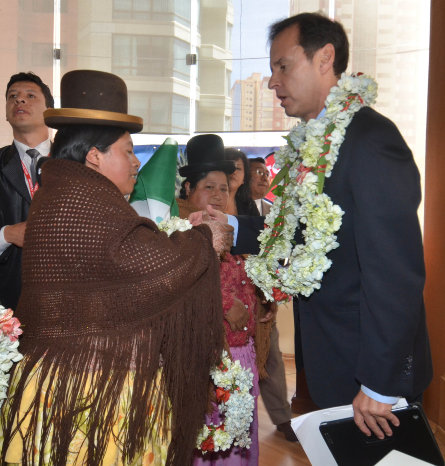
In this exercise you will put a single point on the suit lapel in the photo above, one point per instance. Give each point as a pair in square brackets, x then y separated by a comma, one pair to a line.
[13, 172]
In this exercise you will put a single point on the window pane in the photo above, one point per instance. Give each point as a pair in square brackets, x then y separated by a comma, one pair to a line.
[181, 69]
[180, 113]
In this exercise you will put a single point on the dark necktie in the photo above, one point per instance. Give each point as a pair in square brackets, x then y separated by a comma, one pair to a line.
[33, 153]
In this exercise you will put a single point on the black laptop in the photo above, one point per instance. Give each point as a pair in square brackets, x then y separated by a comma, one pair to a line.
[350, 447]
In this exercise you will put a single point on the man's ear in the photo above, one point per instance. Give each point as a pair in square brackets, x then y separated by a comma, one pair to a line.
[326, 58]
[93, 158]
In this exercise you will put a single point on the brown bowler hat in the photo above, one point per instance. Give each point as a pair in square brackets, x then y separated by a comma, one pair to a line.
[90, 97]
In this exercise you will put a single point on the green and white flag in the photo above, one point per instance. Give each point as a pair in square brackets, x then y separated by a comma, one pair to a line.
[154, 192]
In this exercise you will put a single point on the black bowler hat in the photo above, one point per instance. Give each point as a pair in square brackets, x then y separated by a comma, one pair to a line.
[90, 97]
[205, 153]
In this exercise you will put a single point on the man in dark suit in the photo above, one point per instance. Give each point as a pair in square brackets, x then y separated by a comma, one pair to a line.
[259, 183]
[27, 97]
[363, 333]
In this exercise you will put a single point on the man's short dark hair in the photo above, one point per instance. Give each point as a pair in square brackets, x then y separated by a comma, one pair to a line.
[257, 160]
[31, 77]
[315, 31]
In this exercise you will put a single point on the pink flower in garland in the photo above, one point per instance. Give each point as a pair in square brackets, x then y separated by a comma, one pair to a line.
[11, 328]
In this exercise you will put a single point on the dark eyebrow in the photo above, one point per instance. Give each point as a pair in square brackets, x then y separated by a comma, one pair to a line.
[12, 89]
[278, 62]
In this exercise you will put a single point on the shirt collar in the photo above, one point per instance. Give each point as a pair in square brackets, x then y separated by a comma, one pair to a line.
[44, 148]
[321, 114]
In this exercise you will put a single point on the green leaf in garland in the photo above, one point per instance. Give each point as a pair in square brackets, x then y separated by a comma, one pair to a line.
[279, 177]
[321, 172]
[290, 143]
[278, 190]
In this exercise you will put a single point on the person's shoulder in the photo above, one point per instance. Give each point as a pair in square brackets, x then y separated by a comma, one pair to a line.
[6, 152]
[376, 135]
[6, 148]
[369, 120]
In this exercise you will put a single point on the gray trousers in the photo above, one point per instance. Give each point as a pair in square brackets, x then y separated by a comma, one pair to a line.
[273, 389]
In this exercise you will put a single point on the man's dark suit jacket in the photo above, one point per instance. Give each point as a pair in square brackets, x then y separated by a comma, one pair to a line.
[366, 325]
[14, 204]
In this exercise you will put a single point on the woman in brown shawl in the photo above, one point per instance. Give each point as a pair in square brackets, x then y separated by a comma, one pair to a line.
[121, 323]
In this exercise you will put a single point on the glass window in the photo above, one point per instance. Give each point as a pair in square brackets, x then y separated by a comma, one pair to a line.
[162, 112]
[132, 9]
[42, 54]
[146, 42]
[183, 11]
[138, 55]
[150, 56]
[153, 10]
[180, 114]
[47, 6]
[180, 51]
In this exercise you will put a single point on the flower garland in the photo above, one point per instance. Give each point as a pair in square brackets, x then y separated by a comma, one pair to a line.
[310, 155]
[233, 384]
[9, 353]
[173, 224]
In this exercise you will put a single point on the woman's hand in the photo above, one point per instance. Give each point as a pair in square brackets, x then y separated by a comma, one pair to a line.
[237, 316]
[222, 236]
[222, 232]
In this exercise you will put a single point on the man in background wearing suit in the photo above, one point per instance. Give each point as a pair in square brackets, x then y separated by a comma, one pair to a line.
[27, 97]
[364, 336]
[259, 183]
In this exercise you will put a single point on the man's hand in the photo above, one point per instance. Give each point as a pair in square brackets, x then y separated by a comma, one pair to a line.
[371, 415]
[15, 234]
[237, 315]
[196, 218]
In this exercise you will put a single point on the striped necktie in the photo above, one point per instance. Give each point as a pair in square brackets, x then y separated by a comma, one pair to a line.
[33, 153]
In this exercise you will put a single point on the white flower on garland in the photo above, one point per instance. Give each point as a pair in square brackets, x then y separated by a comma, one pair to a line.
[310, 155]
[174, 224]
[9, 343]
[233, 384]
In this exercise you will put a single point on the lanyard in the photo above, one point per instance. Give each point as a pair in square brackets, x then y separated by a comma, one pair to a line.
[32, 189]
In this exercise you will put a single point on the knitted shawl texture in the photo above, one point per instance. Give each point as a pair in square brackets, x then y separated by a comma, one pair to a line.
[104, 293]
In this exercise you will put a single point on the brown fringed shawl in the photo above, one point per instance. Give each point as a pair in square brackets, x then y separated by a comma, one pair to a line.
[104, 293]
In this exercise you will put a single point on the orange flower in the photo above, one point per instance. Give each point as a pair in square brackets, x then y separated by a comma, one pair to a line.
[222, 367]
[208, 445]
[222, 395]
[279, 295]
